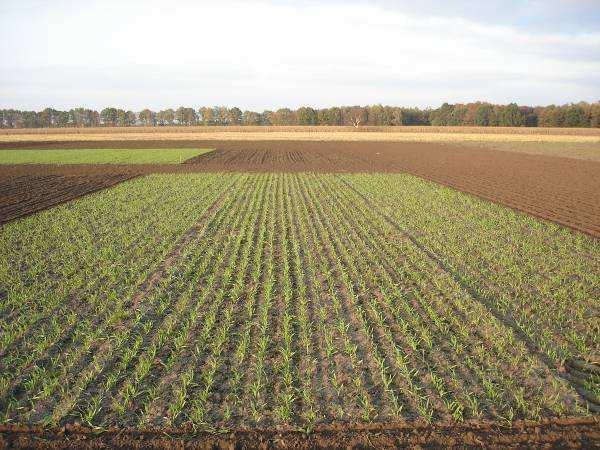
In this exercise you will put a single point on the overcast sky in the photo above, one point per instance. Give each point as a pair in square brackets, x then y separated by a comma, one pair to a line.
[270, 54]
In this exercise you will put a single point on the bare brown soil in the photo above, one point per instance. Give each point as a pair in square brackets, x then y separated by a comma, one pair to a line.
[24, 194]
[549, 433]
[577, 150]
[562, 190]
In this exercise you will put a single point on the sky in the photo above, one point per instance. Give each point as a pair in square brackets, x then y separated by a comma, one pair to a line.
[270, 54]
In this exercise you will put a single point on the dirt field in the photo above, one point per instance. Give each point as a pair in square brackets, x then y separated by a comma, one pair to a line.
[557, 433]
[24, 194]
[563, 190]
[576, 150]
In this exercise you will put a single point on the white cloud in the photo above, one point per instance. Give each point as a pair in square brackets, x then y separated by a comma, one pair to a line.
[266, 55]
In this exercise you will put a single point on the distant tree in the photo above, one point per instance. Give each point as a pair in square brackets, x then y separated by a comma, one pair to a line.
[162, 117]
[397, 116]
[81, 117]
[459, 115]
[30, 119]
[283, 116]
[251, 118]
[335, 116]
[94, 117]
[76, 117]
[186, 116]
[329, 116]
[63, 118]
[10, 118]
[356, 116]
[575, 116]
[442, 116]
[546, 116]
[147, 117]
[266, 117]
[483, 115]
[323, 117]
[220, 115]
[48, 118]
[131, 118]
[180, 115]
[168, 116]
[511, 116]
[470, 112]
[414, 116]
[558, 117]
[109, 117]
[580, 114]
[595, 115]
[206, 115]
[306, 116]
[379, 116]
[529, 116]
[122, 118]
[234, 116]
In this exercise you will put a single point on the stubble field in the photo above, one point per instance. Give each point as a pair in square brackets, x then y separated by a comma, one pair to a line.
[328, 293]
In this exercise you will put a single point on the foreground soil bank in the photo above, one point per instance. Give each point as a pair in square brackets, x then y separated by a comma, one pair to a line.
[555, 433]
[563, 190]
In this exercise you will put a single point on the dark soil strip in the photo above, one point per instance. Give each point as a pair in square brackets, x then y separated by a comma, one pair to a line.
[27, 194]
[549, 433]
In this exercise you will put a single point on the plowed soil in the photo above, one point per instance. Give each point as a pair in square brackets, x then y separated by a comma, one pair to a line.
[24, 194]
[551, 433]
[563, 190]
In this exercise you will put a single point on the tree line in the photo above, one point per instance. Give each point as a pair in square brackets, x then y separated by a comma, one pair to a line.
[581, 114]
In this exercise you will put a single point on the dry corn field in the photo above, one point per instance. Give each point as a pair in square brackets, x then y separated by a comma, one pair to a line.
[481, 135]
[410, 129]
[310, 136]
[316, 308]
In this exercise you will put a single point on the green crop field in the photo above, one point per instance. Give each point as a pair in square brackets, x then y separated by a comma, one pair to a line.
[291, 299]
[100, 156]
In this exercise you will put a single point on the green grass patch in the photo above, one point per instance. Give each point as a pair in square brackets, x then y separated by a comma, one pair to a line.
[101, 156]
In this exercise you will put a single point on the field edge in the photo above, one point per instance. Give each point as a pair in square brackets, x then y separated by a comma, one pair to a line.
[567, 432]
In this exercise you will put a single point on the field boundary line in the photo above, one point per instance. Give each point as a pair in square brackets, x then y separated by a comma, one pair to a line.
[472, 434]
